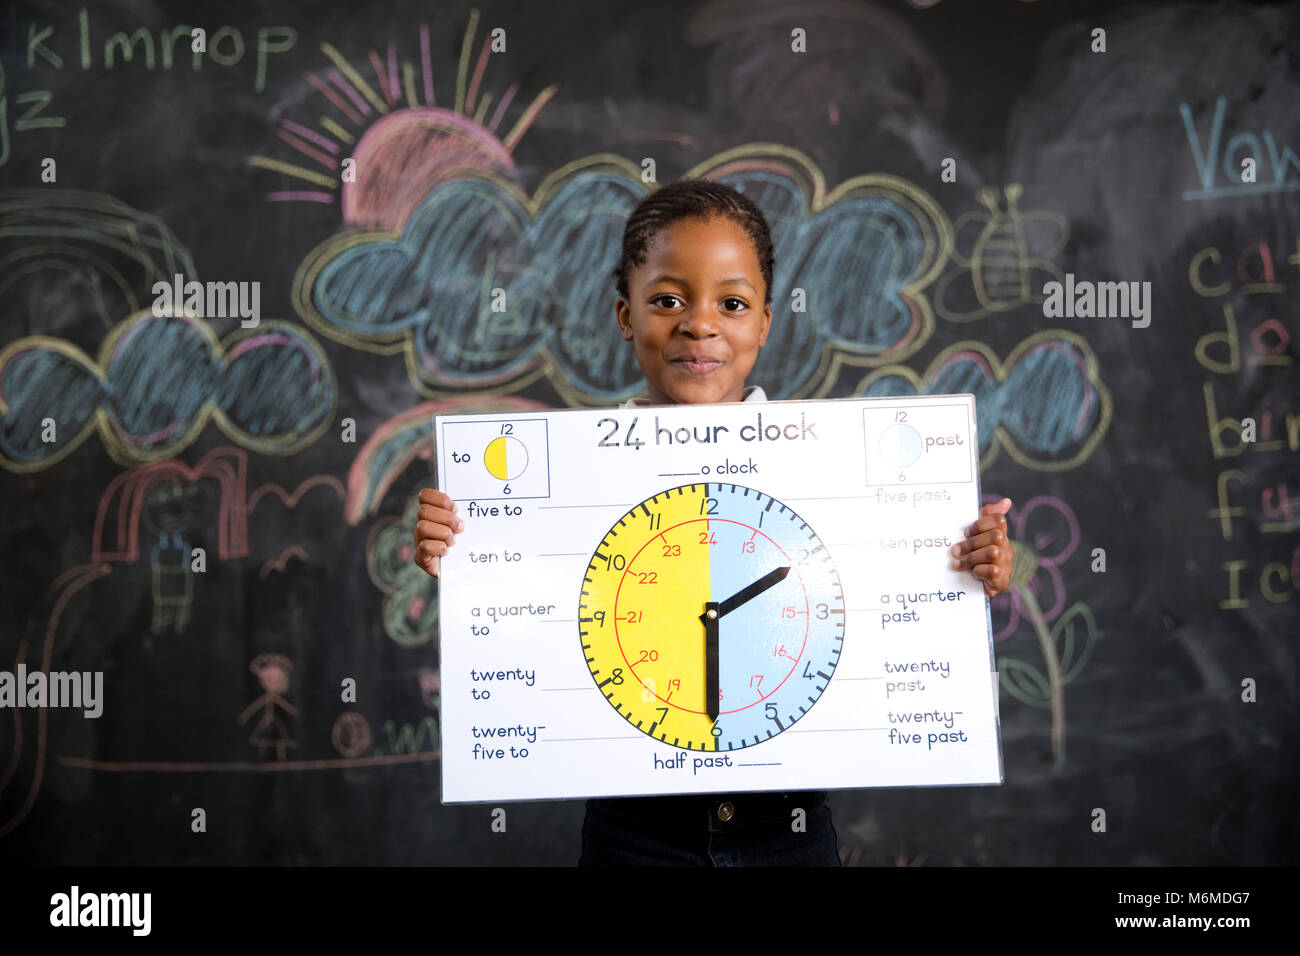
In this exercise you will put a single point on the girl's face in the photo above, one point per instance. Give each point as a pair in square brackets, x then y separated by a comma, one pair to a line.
[695, 312]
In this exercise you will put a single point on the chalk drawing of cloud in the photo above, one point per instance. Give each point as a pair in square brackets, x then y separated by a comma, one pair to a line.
[1046, 404]
[154, 386]
[861, 256]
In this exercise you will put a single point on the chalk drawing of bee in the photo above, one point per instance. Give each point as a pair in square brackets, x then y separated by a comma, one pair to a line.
[1009, 261]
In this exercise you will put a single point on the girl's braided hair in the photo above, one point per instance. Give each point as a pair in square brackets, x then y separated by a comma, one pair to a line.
[692, 199]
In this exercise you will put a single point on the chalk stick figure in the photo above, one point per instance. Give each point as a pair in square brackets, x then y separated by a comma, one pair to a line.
[272, 672]
[170, 509]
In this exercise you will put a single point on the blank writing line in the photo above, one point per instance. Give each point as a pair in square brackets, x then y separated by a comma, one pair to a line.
[828, 498]
[566, 554]
[561, 507]
[836, 730]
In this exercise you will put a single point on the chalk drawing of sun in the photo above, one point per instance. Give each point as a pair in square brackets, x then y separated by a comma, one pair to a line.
[402, 146]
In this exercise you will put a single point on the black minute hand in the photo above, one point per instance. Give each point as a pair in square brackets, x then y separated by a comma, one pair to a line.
[710, 619]
[747, 594]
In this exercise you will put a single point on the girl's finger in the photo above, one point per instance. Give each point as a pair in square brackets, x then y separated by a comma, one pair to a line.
[995, 578]
[976, 558]
[428, 557]
[986, 523]
[427, 530]
[997, 536]
[441, 516]
[988, 539]
[437, 499]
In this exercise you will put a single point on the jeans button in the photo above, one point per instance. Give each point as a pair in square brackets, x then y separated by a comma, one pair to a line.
[726, 811]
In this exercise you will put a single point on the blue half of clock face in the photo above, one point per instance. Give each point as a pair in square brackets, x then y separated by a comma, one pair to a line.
[780, 616]
[777, 650]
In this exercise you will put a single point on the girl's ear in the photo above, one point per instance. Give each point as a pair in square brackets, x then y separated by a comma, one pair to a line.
[624, 314]
[767, 324]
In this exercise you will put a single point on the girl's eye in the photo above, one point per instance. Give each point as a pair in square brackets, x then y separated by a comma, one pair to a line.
[739, 303]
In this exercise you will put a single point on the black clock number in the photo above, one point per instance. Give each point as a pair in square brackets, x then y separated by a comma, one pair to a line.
[709, 506]
[770, 711]
[628, 440]
[823, 612]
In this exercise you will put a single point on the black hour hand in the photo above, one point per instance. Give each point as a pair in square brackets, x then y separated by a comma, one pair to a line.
[747, 594]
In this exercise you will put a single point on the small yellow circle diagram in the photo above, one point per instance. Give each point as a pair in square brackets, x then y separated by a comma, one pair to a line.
[506, 458]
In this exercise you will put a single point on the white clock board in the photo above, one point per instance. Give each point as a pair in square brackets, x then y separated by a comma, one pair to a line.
[620, 569]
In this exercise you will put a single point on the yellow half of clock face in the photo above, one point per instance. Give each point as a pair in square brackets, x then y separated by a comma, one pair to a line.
[650, 581]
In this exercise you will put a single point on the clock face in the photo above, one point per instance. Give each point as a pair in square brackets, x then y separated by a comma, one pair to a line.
[711, 617]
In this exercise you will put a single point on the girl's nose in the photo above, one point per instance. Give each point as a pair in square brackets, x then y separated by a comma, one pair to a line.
[698, 322]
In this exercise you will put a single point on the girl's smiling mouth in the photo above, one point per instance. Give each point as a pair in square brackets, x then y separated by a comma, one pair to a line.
[698, 366]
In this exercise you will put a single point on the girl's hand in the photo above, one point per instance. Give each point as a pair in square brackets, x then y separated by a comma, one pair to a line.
[987, 550]
[434, 529]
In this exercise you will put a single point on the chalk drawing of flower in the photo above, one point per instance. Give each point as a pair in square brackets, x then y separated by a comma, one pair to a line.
[1045, 533]
[410, 606]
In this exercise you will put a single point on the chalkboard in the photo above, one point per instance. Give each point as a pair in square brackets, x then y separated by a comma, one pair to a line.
[242, 269]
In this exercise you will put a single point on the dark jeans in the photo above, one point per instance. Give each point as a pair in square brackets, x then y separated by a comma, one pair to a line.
[758, 830]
